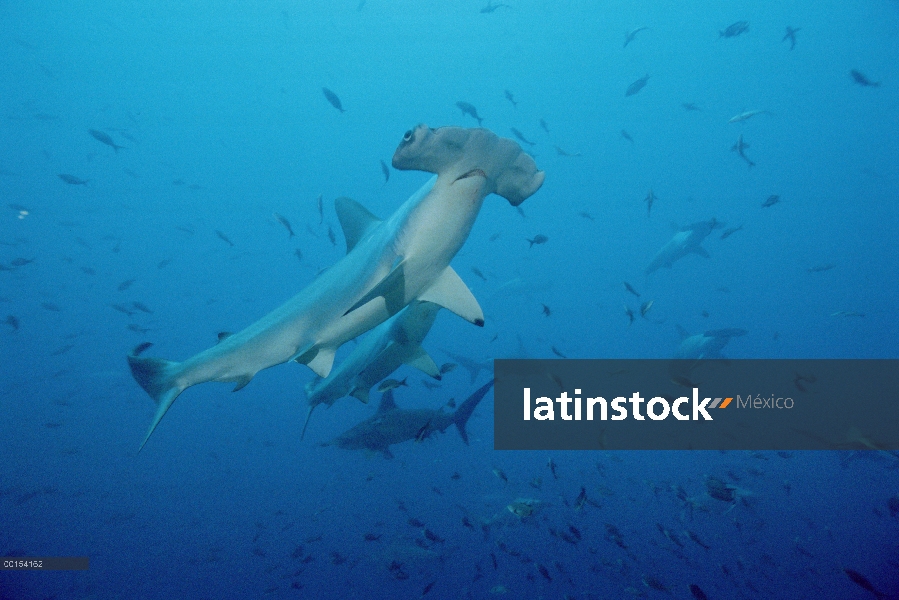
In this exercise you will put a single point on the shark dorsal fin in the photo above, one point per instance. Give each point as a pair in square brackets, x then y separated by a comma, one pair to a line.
[387, 402]
[355, 220]
[224, 335]
[450, 292]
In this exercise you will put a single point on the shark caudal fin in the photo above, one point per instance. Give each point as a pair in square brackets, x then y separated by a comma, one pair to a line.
[156, 376]
[463, 413]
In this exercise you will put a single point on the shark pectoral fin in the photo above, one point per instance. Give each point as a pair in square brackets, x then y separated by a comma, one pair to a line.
[424, 363]
[450, 292]
[322, 362]
[224, 335]
[355, 220]
[242, 382]
[392, 288]
[700, 251]
[360, 393]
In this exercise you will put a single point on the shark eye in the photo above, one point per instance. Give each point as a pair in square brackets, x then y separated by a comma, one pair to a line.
[408, 137]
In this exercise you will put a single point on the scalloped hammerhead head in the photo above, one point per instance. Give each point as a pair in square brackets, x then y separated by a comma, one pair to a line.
[388, 265]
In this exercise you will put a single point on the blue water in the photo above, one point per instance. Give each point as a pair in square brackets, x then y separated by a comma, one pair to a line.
[220, 111]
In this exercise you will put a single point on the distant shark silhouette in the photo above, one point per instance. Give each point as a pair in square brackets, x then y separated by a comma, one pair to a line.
[394, 342]
[388, 265]
[686, 241]
[706, 345]
[393, 425]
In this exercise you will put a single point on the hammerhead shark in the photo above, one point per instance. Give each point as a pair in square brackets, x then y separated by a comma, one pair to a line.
[388, 265]
[394, 342]
[686, 241]
[393, 425]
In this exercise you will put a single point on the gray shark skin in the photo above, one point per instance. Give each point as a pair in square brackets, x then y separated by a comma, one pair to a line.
[388, 265]
[393, 425]
[686, 241]
[394, 342]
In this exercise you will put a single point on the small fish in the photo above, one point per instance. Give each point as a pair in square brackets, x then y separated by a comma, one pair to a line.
[511, 98]
[863, 81]
[538, 239]
[501, 474]
[739, 148]
[372, 537]
[286, 224]
[689, 106]
[771, 201]
[627, 136]
[126, 284]
[430, 535]
[321, 210]
[12, 321]
[557, 352]
[697, 592]
[492, 7]
[521, 137]
[386, 170]
[331, 236]
[644, 308]
[428, 588]
[746, 115]
[546, 310]
[734, 29]
[123, 309]
[682, 381]
[21, 262]
[791, 35]
[62, 350]
[562, 152]
[544, 572]
[730, 231]
[224, 238]
[333, 99]
[72, 180]
[423, 433]
[629, 37]
[50, 306]
[414, 522]
[552, 467]
[630, 314]
[650, 198]
[477, 272]
[637, 85]
[847, 313]
[447, 367]
[104, 138]
[137, 328]
[544, 125]
[298, 253]
[141, 307]
[88, 271]
[469, 109]
[586, 215]
[821, 268]
[631, 289]
[392, 384]
[863, 582]
[164, 263]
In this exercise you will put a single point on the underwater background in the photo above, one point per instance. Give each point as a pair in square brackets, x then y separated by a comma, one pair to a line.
[219, 114]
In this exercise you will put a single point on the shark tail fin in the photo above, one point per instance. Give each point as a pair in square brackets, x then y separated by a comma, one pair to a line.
[306, 423]
[156, 376]
[463, 413]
